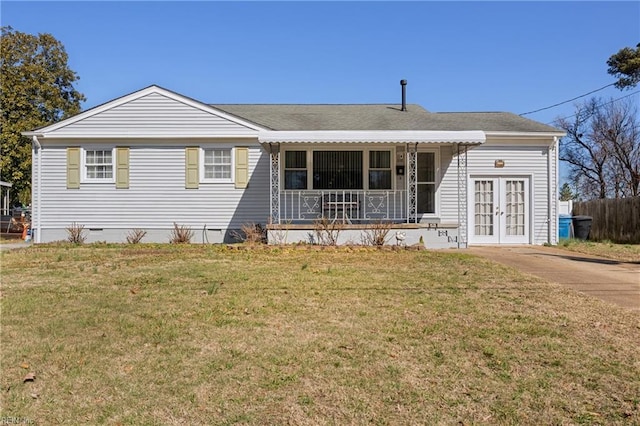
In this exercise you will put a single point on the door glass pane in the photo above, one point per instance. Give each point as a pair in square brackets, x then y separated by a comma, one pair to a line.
[426, 198]
[426, 167]
[483, 210]
[514, 219]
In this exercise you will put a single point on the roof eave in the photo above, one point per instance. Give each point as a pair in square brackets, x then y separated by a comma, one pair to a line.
[374, 136]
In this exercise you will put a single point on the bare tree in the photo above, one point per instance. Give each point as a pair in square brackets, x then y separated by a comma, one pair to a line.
[602, 149]
[618, 127]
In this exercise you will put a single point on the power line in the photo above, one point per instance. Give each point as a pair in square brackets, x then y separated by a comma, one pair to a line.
[564, 102]
[602, 104]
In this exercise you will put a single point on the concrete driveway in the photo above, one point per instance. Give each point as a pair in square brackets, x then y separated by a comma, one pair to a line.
[612, 281]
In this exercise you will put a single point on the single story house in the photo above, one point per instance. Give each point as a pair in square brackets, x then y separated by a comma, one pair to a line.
[153, 158]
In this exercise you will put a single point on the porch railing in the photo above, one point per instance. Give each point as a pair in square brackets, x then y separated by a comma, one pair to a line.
[347, 206]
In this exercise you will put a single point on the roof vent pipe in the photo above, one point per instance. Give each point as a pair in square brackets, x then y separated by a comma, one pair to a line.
[403, 83]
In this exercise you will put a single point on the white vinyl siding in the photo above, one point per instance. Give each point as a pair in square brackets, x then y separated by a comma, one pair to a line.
[154, 115]
[529, 160]
[156, 196]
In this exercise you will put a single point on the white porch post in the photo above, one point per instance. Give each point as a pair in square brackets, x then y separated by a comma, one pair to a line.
[462, 196]
[412, 183]
[274, 153]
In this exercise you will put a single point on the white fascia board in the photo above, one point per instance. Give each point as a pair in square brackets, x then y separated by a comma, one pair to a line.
[139, 94]
[525, 134]
[7, 184]
[100, 136]
[373, 136]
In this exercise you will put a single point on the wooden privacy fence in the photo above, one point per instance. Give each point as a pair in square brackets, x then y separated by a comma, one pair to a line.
[615, 219]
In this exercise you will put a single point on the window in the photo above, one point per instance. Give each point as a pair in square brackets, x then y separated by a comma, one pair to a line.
[337, 169]
[217, 165]
[295, 170]
[379, 169]
[426, 176]
[98, 165]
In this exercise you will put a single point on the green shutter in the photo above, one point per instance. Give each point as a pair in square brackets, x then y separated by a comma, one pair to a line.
[192, 171]
[73, 168]
[122, 168]
[242, 168]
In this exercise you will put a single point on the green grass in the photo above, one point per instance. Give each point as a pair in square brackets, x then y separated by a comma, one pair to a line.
[168, 334]
[606, 249]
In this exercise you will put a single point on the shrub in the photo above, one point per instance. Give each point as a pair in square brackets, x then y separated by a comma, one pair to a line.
[181, 234]
[377, 235]
[326, 231]
[135, 236]
[252, 233]
[76, 233]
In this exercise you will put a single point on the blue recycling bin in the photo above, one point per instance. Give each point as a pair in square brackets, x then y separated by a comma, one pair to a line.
[564, 226]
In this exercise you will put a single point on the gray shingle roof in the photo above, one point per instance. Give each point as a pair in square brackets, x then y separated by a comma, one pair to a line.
[377, 117]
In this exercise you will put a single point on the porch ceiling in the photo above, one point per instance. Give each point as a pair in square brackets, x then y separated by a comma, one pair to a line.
[378, 136]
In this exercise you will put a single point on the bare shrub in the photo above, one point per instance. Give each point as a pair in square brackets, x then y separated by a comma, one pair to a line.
[75, 233]
[135, 236]
[327, 231]
[280, 235]
[181, 234]
[251, 233]
[377, 234]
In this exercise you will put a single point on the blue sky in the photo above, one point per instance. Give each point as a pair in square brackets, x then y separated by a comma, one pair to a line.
[456, 56]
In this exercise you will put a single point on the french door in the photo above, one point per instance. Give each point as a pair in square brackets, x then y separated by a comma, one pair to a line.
[499, 211]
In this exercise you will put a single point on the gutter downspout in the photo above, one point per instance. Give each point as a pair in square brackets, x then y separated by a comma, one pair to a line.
[36, 147]
[551, 190]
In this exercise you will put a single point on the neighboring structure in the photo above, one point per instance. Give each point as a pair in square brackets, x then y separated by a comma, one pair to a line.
[5, 194]
[154, 157]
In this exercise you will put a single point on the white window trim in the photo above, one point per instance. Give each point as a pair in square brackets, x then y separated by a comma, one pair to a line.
[83, 164]
[201, 164]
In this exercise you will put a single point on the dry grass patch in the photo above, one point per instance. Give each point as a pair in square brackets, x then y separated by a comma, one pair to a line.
[609, 250]
[189, 334]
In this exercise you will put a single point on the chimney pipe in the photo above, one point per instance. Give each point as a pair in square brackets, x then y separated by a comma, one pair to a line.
[403, 83]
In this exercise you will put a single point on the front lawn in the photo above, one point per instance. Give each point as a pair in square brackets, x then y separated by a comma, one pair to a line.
[609, 250]
[171, 334]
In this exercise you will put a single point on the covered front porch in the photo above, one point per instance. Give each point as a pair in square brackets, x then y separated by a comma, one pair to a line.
[357, 180]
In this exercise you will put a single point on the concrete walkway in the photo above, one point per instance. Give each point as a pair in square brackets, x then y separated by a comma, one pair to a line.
[610, 280]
